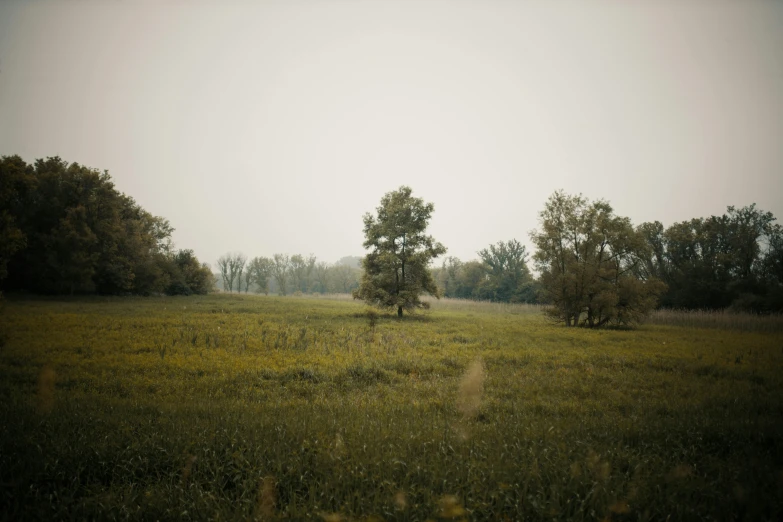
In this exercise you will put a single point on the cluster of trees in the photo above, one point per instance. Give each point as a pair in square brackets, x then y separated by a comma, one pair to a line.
[597, 269]
[730, 261]
[284, 274]
[500, 274]
[591, 265]
[594, 267]
[65, 229]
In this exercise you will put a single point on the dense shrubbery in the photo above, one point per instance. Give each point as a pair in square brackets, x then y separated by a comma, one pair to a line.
[65, 229]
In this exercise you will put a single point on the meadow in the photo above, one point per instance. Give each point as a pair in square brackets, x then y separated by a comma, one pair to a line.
[227, 407]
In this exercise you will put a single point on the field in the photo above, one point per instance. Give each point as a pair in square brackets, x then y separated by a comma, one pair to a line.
[266, 408]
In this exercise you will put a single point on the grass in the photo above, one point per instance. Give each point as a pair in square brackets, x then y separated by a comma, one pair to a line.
[266, 408]
[724, 319]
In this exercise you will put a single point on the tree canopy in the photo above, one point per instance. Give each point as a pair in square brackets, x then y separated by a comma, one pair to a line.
[396, 271]
[65, 229]
[728, 261]
[590, 263]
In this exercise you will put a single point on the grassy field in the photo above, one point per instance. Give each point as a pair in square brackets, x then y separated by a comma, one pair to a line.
[266, 408]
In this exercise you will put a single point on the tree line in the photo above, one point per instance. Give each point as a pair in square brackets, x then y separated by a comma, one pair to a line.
[734, 260]
[730, 261]
[594, 267]
[65, 229]
[287, 274]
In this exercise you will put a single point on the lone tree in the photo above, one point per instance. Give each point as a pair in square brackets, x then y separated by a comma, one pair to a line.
[591, 264]
[396, 270]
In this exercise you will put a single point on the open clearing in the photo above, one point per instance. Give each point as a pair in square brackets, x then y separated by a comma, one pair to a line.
[246, 407]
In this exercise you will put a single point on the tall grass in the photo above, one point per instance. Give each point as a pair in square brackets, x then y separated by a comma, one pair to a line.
[484, 307]
[722, 319]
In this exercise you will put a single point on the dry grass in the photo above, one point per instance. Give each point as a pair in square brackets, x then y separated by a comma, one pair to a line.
[723, 319]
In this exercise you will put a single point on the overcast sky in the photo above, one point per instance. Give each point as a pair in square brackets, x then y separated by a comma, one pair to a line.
[267, 127]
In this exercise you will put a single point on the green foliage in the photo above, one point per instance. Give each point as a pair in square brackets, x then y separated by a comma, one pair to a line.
[16, 182]
[508, 278]
[65, 229]
[502, 275]
[462, 280]
[590, 264]
[244, 407]
[187, 276]
[724, 261]
[301, 271]
[396, 269]
[343, 279]
[258, 273]
[281, 271]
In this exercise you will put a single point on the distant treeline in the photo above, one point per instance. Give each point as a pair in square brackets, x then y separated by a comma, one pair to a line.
[65, 229]
[500, 274]
[283, 274]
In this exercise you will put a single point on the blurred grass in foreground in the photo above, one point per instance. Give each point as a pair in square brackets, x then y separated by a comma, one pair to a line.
[258, 408]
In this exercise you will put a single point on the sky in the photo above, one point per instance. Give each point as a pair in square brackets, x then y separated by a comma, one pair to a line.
[273, 127]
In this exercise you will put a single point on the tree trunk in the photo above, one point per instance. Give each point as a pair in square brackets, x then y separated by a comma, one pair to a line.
[399, 311]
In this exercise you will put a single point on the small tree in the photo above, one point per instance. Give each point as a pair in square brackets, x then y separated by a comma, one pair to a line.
[396, 269]
[187, 275]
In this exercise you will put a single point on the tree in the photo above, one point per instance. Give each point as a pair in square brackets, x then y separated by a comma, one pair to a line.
[231, 266]
[16, 183]
[236, 268]
[71, 253]
[772, 269]
[396, 269]
[301, 269]
[321, 277]
[188, 276]
[64, 228]
[258, 272]
[343, 278]
[281, 268]
[506, 265]
[471, 280]
[222, 264]
[591, 264]
[714, 262]
[352, 261]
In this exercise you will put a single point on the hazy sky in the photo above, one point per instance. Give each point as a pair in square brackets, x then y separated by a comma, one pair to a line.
[273, 127]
